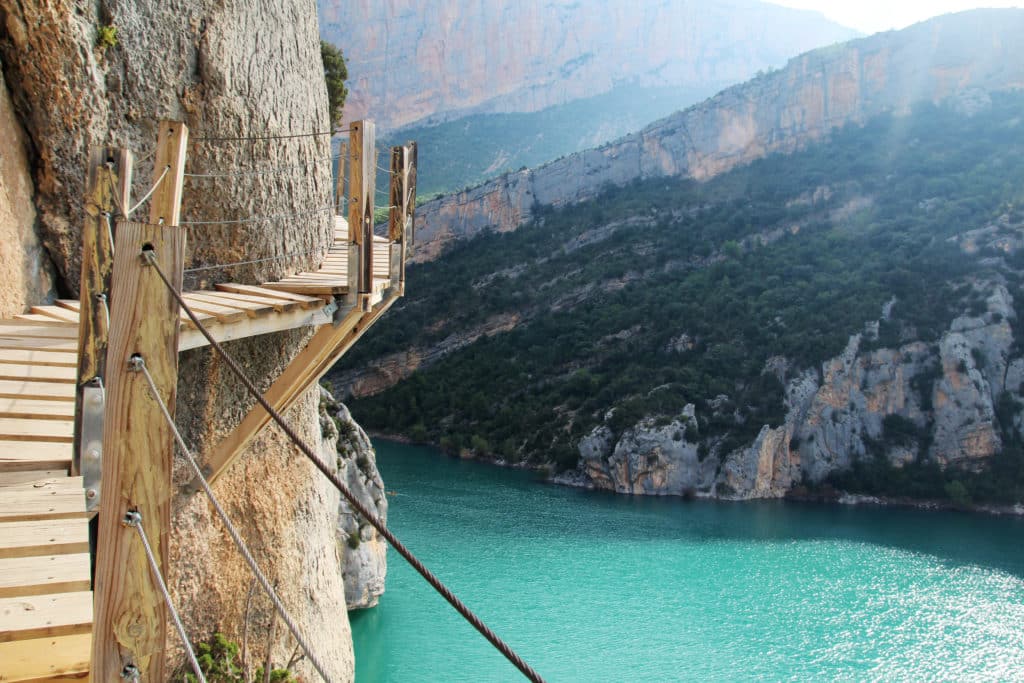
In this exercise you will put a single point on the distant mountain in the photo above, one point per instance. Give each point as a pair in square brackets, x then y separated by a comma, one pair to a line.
[960, 57]
[834, 296]
[418, 62]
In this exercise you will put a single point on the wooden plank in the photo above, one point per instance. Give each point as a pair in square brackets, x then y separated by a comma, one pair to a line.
[46, 616]
[261, 303]
[58, 431]
[307, 288]
[14, 328]
[70, 304]
[8, 479]
[223, 314]
[308, 301]
[250, 308]
[58, 659]
[36, 357]
[339, 191]
[138, 449]
[319, 355]
[43, 391]
[37, 373]
[59, 498]
[32, 409]
[251, 327]
[22, 456]
[363, 157]
[57, 313]
[44, 537]
[37, 344]
[44, 574]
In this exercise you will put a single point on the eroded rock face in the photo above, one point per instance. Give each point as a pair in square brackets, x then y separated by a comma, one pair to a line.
[25, 268]
[363, 550]
[945, 59]
[232, 72]
[919, 401]
[412, 61]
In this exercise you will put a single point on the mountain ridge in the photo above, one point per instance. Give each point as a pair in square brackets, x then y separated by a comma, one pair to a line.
[781, 111]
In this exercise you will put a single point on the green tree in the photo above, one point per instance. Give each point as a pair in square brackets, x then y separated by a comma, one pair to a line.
[335, 75]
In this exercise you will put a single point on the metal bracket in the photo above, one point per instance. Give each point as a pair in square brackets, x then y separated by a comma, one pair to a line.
[91, 456]
[325, 314]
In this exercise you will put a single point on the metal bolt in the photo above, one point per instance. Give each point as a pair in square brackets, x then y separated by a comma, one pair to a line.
[93, 454]
[130, 672]
[97, 399]
[90, 494]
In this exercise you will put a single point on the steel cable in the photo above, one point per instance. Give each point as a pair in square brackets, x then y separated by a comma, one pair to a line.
[374, 521]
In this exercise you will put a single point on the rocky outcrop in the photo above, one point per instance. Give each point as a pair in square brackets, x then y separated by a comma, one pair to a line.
[230, 71]
[410, 62]
[25, 268]
[364, 551]
[957, 58]
[917, 402]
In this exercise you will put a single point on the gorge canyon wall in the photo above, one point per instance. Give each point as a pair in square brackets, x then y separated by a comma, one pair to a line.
[412, 62]
[957, 56]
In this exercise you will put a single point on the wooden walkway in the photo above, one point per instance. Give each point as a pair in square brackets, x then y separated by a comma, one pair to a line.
[46, 603]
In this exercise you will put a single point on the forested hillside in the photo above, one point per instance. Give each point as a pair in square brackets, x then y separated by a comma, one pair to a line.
[721, 315]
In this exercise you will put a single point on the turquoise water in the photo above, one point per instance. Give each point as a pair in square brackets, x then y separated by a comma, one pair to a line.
[597, 587]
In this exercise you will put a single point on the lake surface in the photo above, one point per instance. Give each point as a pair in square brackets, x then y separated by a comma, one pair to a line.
[596, 587]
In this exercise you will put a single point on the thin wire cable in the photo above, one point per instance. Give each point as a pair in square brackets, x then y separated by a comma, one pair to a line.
[134, 519]
[151, 191]
[416, 564]
[217, 266]
[258, 219]
[245, 138]
[110, 231]
[232, 531]
[261, 172]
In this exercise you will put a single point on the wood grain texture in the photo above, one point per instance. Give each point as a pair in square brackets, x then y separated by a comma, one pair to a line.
[137, 452]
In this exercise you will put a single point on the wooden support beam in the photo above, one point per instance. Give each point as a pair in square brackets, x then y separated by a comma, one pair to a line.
[410, 236]
[323, 350]
[165, 205]
[137, 451]
[362, 186]
[107, 193]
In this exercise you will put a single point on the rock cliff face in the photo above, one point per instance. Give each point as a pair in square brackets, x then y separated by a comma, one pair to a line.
[231, 72]
[937, 402]
[410, 62]
[364, 551]
[960, 57]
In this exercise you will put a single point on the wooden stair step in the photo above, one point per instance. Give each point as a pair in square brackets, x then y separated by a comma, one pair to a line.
[44, 391]
[61, 498]
[20, 456]
[39, 357]
[38, 373]
[279, 305]
[10, 478]
[44, 537]
[251, 308]
[56, 330]
[35, 409]
[55, 659]
[57, 313]
[223, 314]
[308, 301]
[45, 616]
[44, 574]
[25, 343]
[14, 429]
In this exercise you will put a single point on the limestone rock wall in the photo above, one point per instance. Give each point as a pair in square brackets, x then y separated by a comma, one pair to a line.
[412, 61]
[947, 391]
[25, 267]
[363, 550]
[237, 74]
[959, 57]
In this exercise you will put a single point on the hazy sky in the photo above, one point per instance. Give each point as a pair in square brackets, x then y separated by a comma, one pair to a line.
[871, 16]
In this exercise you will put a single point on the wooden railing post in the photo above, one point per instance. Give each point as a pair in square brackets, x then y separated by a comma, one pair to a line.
[107, 190]
[402, 211]
[339, 192]
[129, 626]
[362, 185]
